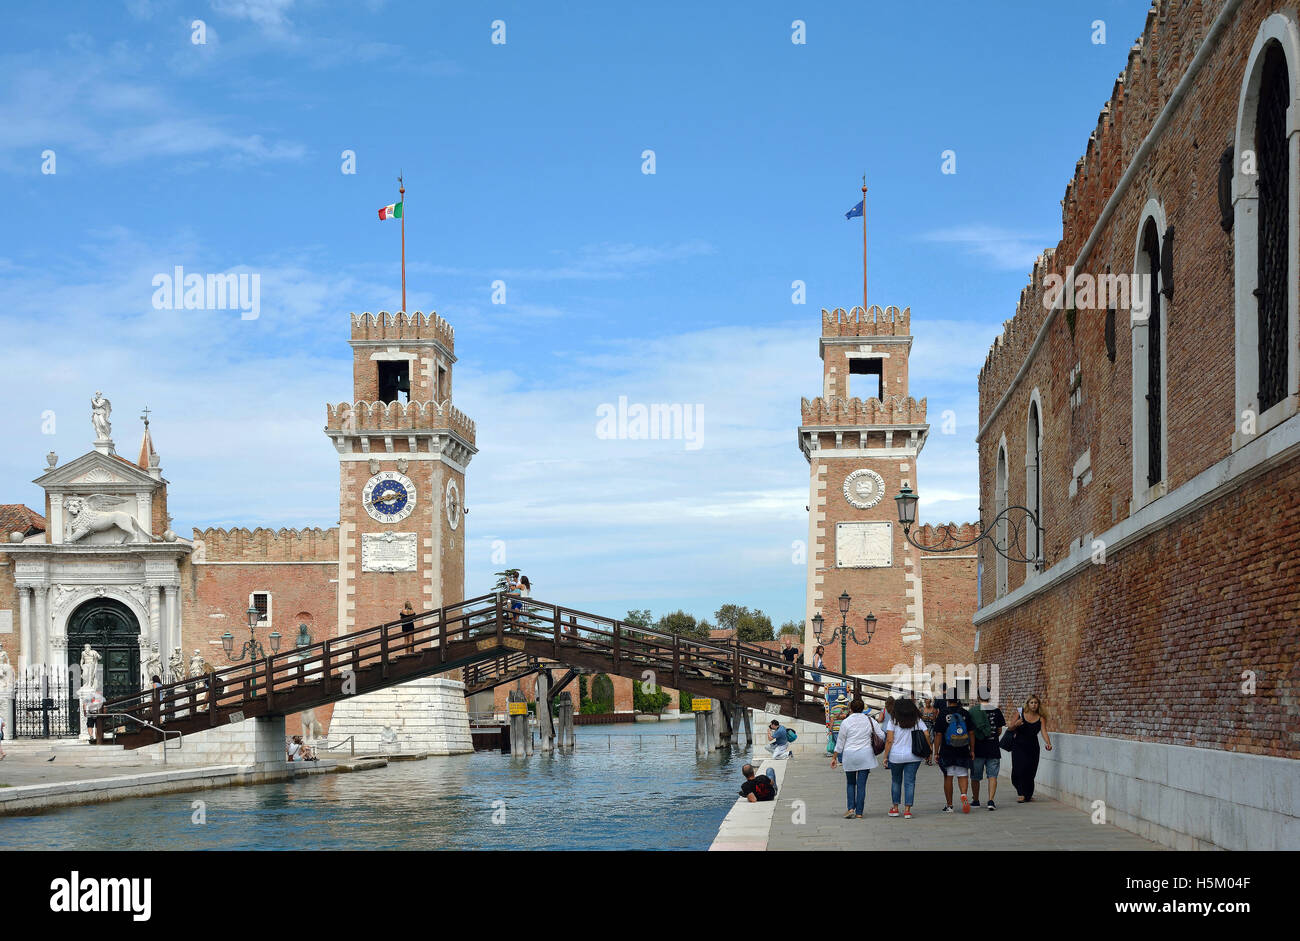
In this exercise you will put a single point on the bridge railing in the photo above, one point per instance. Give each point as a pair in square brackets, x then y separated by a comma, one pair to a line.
[488, 621]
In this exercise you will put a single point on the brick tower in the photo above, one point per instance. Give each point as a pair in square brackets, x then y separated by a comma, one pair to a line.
[402, 449]
[862, 438]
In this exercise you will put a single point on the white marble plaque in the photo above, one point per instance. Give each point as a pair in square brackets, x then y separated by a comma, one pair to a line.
[388, 552]
[6, 622]
[864, 545]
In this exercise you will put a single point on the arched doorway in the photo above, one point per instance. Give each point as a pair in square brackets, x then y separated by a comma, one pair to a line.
[113, 631]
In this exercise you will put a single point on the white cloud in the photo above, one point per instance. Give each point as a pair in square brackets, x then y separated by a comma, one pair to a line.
[1008, 251]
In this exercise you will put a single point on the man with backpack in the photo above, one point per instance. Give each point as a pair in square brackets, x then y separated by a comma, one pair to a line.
[954, 743]
[760, 787]
[987, 725]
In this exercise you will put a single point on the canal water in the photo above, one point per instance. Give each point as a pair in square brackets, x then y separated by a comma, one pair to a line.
[636, 786]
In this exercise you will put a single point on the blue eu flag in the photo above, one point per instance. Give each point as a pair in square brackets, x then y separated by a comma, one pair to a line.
[856, 210]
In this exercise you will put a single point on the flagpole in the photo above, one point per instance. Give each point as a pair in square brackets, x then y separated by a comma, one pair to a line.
[864, 242]
[401, 192]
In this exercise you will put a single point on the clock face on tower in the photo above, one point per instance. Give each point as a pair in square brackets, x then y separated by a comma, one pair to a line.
[864, 488]
[453, 504]
[389, 497]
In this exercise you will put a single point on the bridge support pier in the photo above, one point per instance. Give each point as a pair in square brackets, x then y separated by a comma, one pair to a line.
[702, 744]
[721, 725]
[742, 725]
[521, 734]
[565, 716]
[545, 730]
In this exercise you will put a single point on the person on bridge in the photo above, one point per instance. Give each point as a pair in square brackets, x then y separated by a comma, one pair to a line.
[855, 746]
[408, 625]
[758, 788]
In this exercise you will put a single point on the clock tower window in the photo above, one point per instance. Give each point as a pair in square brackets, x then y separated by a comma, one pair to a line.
[874, 386]
[394, 380]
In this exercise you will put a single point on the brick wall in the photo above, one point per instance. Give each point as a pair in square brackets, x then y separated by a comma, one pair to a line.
[1153, 643]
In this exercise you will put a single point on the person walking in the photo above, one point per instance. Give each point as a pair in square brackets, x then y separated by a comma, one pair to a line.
[819, 664]
[408, 625]
[955, 746]
[2, 737]
[900, 757]
[986, 724]
[1025, 728]
[778, 740]
[854, 747]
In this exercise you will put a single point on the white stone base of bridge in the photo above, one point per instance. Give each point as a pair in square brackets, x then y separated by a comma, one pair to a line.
[257, 742]
[426, 715]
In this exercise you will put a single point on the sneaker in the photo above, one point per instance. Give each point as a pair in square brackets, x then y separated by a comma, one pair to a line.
[893, 811]
[974, 803]
[948, 809]
[965, 804]
[848, 815]
[992, 806]
[908, 815]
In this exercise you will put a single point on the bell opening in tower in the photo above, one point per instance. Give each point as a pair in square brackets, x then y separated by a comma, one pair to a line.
[394, 381]
[874, 385]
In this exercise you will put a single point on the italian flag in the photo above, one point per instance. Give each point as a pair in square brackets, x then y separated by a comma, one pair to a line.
[391, 212]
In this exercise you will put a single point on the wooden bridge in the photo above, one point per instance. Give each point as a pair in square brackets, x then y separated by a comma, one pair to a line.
[493, 645]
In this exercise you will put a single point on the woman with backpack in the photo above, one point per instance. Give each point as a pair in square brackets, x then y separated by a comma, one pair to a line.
[855, 746]
[905, 748]
[1025, 728]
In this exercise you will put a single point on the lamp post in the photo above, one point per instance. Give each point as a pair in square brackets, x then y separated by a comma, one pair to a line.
[844, 632]
[907, 501]
[252, 648]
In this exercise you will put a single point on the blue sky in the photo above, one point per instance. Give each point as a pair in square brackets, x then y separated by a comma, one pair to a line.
[523, 163]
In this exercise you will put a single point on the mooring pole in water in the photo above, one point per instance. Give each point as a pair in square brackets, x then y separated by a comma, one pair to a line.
[521, 736]
[565, 717]
[545, 731]
[702, 746]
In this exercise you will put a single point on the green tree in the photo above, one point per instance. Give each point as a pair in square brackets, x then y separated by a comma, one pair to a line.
[729, 616]
[754, 626]
[504, 578]
[684, 625]
[653, 702]
[792, 627]
[639, 618]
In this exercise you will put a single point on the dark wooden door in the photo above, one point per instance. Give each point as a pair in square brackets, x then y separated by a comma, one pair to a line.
[113, 631]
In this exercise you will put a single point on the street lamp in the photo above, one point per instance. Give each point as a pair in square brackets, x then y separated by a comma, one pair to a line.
[843, 633]
[907, 501]
[252, 648]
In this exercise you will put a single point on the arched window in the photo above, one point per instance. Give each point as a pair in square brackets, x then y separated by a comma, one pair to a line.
[1150, 379]
[1265, 207]
[1274, 206]
[1000, 504]
[1033, 481]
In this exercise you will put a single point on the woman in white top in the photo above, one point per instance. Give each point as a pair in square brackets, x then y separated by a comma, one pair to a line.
[853, 746]
[901, 761]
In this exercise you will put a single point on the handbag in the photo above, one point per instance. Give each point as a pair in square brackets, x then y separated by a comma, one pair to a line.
[877, 740]
[920, 744]
[1007, 738]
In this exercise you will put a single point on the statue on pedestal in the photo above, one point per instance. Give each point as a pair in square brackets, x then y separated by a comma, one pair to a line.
[100, 409]
[176, 665]
[89, 667]
[152, 667]
[7, 676]
[198, 667]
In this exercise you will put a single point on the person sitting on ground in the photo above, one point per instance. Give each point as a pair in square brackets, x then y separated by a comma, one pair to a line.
[308, 753]
[778, 740]
[760, 787]
[294, 748]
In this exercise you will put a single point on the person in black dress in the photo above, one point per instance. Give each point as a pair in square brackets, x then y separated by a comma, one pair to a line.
[408, 625]
[1025, 728]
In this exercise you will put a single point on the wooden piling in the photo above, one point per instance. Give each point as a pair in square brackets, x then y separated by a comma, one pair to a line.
[521, 736]
[545, 730]
[565, 703]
